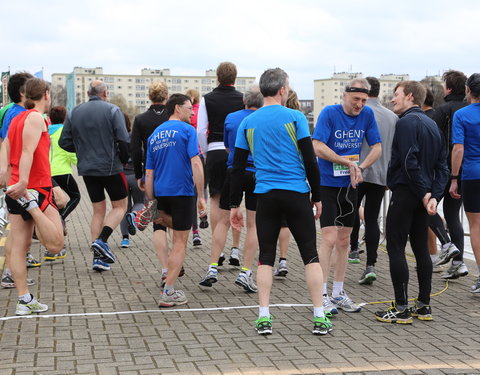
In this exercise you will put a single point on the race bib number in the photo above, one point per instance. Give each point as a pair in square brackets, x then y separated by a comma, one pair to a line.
[342, 170]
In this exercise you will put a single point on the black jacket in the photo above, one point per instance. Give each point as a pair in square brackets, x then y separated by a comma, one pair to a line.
[143, 126]
[219, 103]
[418, 156]
[443, 116]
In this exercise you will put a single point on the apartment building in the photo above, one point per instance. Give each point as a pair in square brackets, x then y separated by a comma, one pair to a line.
[134, 88]
[328, 91]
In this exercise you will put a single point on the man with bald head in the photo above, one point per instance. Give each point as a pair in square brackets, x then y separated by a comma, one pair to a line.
[337, 140]
[97, 133]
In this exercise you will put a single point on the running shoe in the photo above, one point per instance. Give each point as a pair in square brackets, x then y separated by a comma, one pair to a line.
[449, 251]
[343, 302]
[246, 282]
[321, 326]
[8, 282]
[125, 244]
[234, 259]
[145, 215]
[328, 306]
[164, 278]
[196, 240]
[27, 308]
[49, 257]
[354, 257]
[263, 325]
[392, 315]
[99, 265]
[25, 201]
[455, 271]
[32, 262]
[131, 227]
[203, 222]
[475, 288]
[103, 251]
[221, 259]
[177, 297]
[282, 270]
[368, 276]
[182, 272]
[422, 313]
[210, 278]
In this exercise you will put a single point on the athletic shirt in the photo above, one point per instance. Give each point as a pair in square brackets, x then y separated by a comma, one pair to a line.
[40, 175]
[232, 122]
[466, 131]
[170, 150]
[344, 135]
[271, 134]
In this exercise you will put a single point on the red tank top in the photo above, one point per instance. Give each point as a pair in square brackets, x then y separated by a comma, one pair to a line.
[40, 175]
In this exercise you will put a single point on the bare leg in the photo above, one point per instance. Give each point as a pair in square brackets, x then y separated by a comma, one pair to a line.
[177, 255]
[220, 235]
[474, 223]
[160, 244]
[49, 228]
[98, 217]
[432, 242]
[236, 238]
[314, 278]
[264, 283]
[116, 214]
[215, 211]
[20, 243]
[341, 253]
[329, 237]
[283, 241]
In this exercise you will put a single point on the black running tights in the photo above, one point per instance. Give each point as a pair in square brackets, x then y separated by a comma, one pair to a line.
[298, 211]
[408, 218]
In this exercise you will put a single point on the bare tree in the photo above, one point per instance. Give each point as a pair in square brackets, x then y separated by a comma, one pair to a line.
[120, 101]
[437, 89]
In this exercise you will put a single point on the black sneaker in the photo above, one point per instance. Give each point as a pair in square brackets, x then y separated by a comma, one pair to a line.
[368, 276]
[421, 313]
[392, 315]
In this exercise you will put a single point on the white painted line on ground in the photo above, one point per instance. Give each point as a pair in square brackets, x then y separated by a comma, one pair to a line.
[162, 310]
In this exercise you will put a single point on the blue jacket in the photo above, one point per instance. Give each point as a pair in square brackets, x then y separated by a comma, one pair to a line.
[418, 156]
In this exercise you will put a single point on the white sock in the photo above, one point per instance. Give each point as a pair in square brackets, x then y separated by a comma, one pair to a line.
[168, 289]
[325, 292]
[433, 257]
[456, 262]
[337, 288]
[478, 266]
[8, 272]
[164, 270]
[26, 298]
[264, 311]
[31, 205]
[318, 312]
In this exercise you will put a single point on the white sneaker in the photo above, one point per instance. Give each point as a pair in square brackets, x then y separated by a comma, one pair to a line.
[328, 306]
[246, 282]
[455, 271]
[449, 251]
[24, 308]
[174, 299]
[343, 302]
[282, 270]
[234, 259]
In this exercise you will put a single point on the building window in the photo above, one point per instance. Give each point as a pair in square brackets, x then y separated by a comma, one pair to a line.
[109, 79]
[140, 87]
[140, 80]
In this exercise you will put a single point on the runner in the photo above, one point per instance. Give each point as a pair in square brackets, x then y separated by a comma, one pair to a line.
[279, 140]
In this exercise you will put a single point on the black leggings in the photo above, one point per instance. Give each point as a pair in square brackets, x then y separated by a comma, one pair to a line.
[408, 218]
[69, 186]
[373, 194]
[298, 211]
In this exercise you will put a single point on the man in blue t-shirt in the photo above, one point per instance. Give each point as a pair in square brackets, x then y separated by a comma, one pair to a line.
[173, 170]
[279, 140]
[253, 100]
[338, 139]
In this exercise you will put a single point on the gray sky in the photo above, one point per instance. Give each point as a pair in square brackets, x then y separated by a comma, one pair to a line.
[309, 39]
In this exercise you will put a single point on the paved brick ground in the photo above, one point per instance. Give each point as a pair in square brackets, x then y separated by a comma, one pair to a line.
[216, 341]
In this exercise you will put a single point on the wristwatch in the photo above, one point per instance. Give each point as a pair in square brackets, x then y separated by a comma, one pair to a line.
[361, 169]
[452, 177]
[234, 206]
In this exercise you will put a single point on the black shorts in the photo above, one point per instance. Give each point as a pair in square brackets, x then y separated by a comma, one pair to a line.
[216, 170]
[45, 199]
[339, 206]
[248, 186]
[116, 187]
[180, 208]
[470, 195]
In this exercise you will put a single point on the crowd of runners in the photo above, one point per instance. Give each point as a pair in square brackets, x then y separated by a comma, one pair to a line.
[251, 153]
